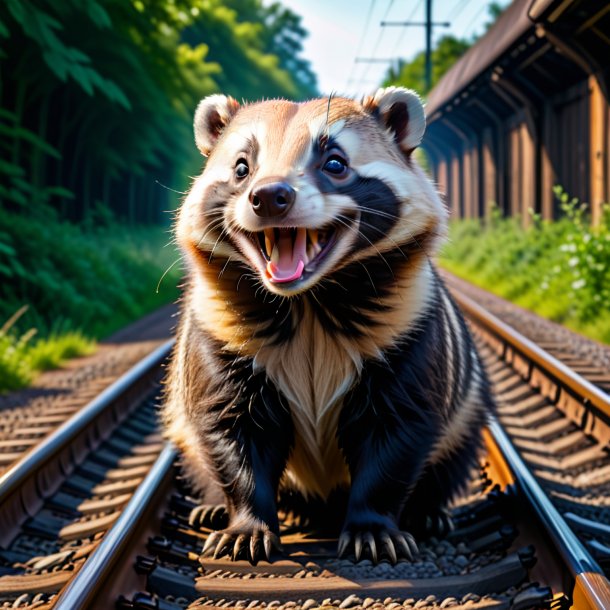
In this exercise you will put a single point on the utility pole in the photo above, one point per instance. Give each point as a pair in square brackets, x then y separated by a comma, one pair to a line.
[428, 44]
[428, 24]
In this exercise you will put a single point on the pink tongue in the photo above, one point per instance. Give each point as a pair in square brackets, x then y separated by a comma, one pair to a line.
[290, 264]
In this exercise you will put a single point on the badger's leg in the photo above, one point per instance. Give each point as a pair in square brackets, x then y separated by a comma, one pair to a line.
[450, 464]
[385, 438]
[247, 437]
[425, 513]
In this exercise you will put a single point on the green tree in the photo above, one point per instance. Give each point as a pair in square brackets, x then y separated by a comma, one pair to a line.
[97, 97]
[412, 74]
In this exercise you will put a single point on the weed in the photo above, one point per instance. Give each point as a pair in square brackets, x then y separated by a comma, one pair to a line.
[560, 270]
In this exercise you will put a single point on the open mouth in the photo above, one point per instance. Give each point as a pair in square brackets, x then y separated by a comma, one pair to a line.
[291, 253]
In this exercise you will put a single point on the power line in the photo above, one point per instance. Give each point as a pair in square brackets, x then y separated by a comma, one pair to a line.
[376, 46]
[362, 38]
[472, 21]
[404, 32]
[429, 24]
[458, 8]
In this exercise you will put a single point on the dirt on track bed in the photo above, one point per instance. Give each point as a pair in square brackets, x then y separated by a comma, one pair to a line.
[29, 415]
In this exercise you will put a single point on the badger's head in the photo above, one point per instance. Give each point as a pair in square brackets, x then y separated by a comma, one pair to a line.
[297, 191]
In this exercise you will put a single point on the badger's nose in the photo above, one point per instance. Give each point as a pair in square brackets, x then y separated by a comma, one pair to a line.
[272, 198]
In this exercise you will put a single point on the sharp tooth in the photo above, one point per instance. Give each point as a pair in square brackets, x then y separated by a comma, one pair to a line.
[275, 254]
[269, 240]
[313, 235]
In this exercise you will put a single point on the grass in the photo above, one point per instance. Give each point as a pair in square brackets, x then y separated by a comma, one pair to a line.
[560, 270]
[22, 356]
[63, 286]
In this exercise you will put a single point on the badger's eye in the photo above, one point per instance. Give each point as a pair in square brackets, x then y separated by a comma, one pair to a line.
[335, 165]
[241, 168]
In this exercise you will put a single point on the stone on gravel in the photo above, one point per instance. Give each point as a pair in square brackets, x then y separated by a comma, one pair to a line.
[350, 601]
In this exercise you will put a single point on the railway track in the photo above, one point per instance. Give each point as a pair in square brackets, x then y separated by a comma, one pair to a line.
[587, 358]
[62, 496]
[94, 516]
[28, 416]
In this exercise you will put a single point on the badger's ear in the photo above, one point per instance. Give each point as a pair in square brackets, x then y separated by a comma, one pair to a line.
[401, 111]
[213, 114]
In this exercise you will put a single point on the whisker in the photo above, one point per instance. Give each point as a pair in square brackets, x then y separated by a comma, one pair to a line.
[171, 189]
[166, 272]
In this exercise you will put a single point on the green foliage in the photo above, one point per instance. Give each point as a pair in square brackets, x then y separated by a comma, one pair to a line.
[97, 277]
[21, 357]
[52, 351]
[585, 259]
[99, 96]
[15, 371]
[412, 74]
[66, 61]
[560, 269]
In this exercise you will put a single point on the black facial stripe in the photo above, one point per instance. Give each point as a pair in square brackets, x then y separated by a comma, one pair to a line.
[379, 206]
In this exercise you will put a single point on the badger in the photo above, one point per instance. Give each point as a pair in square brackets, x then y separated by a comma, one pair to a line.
[319, 351]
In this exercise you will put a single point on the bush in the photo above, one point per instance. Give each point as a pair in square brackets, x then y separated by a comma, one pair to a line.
[560, 270]
[70, 285]
[96, 278]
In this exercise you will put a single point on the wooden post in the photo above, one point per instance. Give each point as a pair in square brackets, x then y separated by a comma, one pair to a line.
[528, 173]
[455, 186]
[489, 173]
[598, 130]
[548, 177]
[514, 206]
[467, 180]
[442, 178]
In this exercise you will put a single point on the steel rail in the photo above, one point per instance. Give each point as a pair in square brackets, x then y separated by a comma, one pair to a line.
[81, 589]
[590, 394]
[592, 587]
[41, 454]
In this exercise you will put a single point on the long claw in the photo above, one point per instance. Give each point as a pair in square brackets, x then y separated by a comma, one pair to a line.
[411, 543]
[271, 542]
[219, 517]
[370, 540]
[255, 547]
[403, 546]
[210, 544]
[195, 516]
[223, 547]
[343, 544]
[388, 546]
[240, 545]
[358, 546]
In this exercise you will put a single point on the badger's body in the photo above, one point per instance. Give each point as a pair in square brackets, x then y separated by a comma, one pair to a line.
[318, 348]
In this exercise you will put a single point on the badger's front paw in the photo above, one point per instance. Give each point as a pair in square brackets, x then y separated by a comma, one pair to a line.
[375, 543]
[253, 545]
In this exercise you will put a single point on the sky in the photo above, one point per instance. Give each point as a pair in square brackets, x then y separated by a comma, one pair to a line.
[340, 30]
